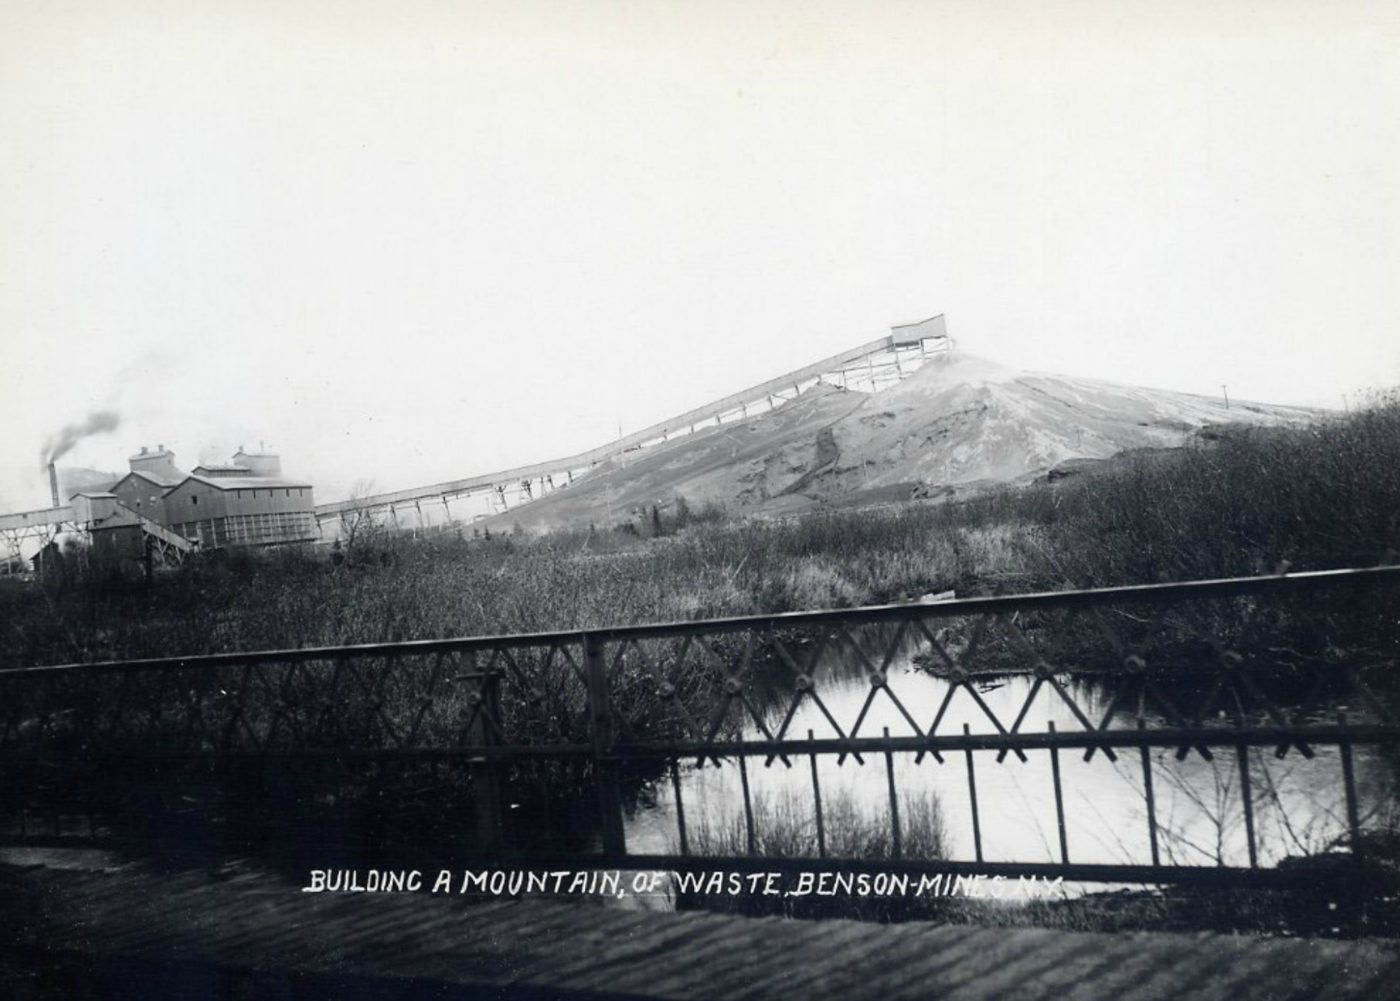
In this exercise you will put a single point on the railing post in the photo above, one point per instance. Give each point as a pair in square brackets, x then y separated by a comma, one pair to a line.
[1349, 783]
[486, 772]
[605, 768]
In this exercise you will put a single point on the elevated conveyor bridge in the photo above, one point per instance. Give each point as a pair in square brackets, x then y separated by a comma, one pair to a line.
[873, 365]
[45, 525]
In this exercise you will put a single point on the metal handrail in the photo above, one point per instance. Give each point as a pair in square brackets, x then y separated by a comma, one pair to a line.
[861, 615]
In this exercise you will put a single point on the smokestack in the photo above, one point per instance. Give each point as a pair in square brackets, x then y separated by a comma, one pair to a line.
[53, 483]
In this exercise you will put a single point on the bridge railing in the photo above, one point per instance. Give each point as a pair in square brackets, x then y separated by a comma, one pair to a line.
[1229, 673]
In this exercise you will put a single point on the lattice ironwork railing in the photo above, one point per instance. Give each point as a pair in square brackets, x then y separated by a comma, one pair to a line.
[1216, 670]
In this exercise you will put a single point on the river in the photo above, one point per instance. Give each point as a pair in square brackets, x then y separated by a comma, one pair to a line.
[1299, 803]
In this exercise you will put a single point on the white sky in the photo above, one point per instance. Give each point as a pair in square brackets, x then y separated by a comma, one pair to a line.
[417, 241]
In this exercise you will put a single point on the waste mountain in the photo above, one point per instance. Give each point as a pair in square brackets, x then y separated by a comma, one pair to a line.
[959, 423]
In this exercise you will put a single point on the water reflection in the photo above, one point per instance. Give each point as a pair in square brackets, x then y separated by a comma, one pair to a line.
[1299, 803]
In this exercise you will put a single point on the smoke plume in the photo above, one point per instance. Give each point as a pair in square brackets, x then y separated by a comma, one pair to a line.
[95, 423]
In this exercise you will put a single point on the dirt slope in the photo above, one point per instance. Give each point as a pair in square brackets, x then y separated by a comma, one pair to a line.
[959, 421]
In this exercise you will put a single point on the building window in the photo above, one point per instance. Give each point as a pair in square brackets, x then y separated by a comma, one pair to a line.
[194, 500]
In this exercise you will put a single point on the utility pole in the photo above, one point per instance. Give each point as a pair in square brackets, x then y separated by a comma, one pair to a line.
[1226, 391]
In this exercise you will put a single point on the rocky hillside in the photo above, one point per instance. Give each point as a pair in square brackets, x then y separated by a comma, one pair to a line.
[960, 421]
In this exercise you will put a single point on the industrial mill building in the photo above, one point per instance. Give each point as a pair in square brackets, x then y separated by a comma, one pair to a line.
[241, 510]
[246, 502]
[152, 475]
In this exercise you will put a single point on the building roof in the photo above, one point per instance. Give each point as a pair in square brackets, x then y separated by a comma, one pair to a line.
[223, 467]
[122, 517]
[160, 481]
[159, 452]
[246, 482]
[92, 493]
